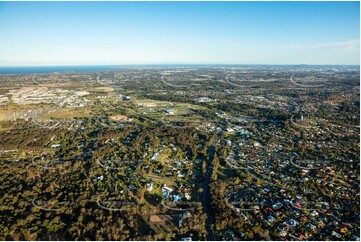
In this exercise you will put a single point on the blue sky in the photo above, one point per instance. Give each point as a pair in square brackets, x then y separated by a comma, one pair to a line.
[77, 33]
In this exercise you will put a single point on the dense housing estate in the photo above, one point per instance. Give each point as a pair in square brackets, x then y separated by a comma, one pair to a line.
[181, 153]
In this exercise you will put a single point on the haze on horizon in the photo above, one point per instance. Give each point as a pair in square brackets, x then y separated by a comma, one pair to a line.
[113, 33]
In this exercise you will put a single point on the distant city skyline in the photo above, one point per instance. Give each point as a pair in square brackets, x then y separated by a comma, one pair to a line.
[123, 33]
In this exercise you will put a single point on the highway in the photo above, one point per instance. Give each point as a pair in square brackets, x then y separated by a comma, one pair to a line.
[206, 200]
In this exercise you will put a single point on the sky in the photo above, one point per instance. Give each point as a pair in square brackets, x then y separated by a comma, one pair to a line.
[115, 33]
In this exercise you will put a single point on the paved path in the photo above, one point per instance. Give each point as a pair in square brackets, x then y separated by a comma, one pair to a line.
[303, 85]
[173, 85]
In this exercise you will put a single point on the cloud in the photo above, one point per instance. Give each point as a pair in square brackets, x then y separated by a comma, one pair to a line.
[352, 45]
[342, 46]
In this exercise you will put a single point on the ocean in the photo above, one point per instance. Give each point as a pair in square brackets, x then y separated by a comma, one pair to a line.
[83, 68]
[93, 68]
[50, 69]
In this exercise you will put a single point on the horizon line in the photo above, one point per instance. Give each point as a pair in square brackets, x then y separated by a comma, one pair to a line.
[180, 64]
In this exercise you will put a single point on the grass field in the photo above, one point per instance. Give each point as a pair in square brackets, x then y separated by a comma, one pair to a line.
[63, 113]
[177, 118]
[12, 111]
[149, 103]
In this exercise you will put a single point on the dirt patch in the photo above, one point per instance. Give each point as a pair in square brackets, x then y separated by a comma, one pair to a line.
[103, 89]
[121, 118]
